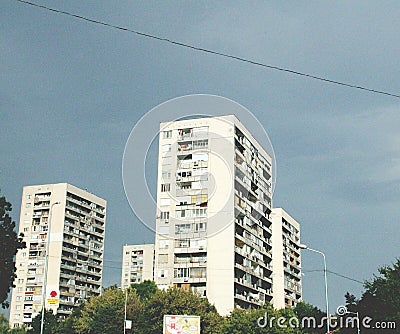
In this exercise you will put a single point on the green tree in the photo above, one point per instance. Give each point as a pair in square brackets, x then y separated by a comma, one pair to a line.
[145, 289]
[5, 329]
[307, 311]
[351, 300]
[178, 301]
[265, 320]
[105, 314]
[382, 294]
[102, 314]
[50, 323]
[380, 300]
[9, 244]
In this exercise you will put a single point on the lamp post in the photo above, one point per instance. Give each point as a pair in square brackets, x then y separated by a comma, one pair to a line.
[302, 246]
[126, 302]
[358, 319]
[46, 267]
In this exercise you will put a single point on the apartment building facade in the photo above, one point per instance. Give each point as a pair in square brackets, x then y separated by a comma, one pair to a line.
[76, 219]
[286, 259]
[214, 199]
[137, 264]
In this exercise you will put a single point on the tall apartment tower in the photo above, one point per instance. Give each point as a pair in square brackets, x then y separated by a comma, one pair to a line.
[286, 259]
[213, 224]
[137, 264]
[75, 258]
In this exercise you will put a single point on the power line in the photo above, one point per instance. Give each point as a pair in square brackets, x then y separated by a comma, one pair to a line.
[334, 273]
[196, 48]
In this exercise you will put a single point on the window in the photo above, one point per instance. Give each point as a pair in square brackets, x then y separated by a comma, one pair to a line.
[184, 174]
[27, 205]
[200, 227]
[28, 196]
[182, 273]
[18, 307]
[198, 144]
[180, 214]
[163, 273]
[183, 243]
[182, 228]
[164, 214]
[198, 199]
[18, 298]
[167, 134]
[165, 187]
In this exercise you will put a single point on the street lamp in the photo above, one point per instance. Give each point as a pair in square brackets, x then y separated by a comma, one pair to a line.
[125, 306]
[302, 246]
[126, 302]
[358, 319]
[46, 267]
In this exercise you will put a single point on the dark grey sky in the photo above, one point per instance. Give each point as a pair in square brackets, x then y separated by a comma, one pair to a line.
[71, 91]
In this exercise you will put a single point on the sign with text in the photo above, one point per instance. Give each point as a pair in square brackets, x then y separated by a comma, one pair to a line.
[181, 324]
[52, 296]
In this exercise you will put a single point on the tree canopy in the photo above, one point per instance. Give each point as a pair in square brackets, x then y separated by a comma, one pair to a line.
[380, 300]
[10, 242]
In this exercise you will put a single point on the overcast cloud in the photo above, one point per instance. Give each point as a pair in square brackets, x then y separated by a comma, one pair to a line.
[70, 92]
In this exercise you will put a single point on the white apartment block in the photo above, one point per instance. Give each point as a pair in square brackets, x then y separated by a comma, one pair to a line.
[213, 224]
[75, 261]
[286, 259]
[137, 264]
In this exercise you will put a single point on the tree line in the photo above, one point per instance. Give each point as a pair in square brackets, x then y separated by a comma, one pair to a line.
[146, 304]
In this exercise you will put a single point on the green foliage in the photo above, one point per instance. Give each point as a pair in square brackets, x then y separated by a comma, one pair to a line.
[147, 305]
[380, 300]
[261, 321]
[5, 329]
[102, 314]
[50, 323]
[383, 293]
[178, 301]
[304, 310]
[9, 244]
[145, 289]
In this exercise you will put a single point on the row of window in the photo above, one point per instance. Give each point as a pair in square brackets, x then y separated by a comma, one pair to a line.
[189, 228]
[191, 213]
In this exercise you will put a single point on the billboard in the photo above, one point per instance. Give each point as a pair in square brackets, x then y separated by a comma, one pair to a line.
[181, 324]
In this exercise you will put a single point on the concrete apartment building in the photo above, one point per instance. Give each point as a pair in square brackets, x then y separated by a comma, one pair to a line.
[75, 261]
[137, 264]
[213, 223]
[286, 259]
